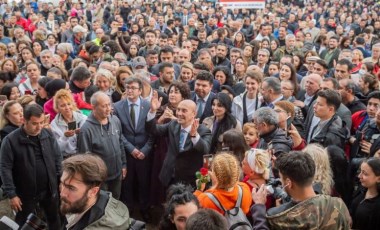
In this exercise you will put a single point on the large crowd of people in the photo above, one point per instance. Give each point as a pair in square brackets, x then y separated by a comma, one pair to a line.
[259, 118]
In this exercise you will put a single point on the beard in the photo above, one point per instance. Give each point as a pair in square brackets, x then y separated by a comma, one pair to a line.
[78, 206]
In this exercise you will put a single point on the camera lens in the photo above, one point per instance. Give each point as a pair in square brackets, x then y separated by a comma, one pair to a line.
[33, 223]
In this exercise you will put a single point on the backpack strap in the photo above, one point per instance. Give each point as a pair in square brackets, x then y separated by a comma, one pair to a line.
[215, 201]
[219, 205]
[240, 197]
[245, 116]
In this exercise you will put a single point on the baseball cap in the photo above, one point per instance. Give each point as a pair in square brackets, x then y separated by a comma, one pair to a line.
[138, 61]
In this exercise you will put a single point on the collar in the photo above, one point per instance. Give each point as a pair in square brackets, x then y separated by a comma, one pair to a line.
[277, 99]
[137, 103]
[205, 98]
[187, 129]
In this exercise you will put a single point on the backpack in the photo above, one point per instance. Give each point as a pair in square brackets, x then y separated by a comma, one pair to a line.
[236, 219]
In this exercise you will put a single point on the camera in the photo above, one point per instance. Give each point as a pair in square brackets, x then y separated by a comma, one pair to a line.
[32, 223]
[274, 187]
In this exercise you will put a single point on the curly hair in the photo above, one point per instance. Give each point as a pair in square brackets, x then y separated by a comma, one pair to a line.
[226, 168]
[65, 95]
[323, 172]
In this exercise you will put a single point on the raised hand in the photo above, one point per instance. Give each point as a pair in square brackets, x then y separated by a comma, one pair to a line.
[155, 103]
[194, 127]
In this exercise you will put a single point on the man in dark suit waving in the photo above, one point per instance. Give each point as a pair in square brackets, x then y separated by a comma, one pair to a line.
[132, 113]
[188, 142]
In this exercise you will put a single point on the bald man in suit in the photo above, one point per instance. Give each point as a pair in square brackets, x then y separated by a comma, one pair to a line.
[188, 142]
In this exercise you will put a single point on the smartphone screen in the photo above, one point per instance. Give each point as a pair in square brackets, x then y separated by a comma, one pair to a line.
[72, 125]
[207, 159]
[289, 121]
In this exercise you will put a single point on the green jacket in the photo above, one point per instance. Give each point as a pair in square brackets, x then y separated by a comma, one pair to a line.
[116, 216]
[280, 52]
[320, 212]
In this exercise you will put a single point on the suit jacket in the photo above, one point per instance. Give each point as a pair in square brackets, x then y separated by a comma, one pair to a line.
[207, 112]
[181, 166]
[135, 137]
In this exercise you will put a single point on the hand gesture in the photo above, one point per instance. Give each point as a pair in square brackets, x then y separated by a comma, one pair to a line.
[123, 173]
[77, 131]
[366, 146]
[16, 204]
[69, 133]
[299, 103]
[259, 196]
[140, 156]
[155, 103]
[294, 134]
[135, 153]
[194, 127]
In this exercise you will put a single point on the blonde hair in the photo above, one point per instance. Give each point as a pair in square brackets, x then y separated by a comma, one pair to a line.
[261, 162]
[226, 168]
[323, 172]
[65, 95]
[187, 65]
[107, 74]
[25, 100]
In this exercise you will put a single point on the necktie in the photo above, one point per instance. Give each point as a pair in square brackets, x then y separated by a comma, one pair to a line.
[132, 114]
[200, 108]
[182, 139]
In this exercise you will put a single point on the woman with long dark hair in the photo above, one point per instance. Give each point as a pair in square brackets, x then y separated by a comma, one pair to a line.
[221, 121]
[179, 198]
[365, 208]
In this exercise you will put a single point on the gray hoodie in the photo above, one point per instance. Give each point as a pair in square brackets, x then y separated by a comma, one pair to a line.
[104, 141]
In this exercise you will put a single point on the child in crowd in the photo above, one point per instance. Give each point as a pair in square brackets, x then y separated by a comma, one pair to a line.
[251, 135]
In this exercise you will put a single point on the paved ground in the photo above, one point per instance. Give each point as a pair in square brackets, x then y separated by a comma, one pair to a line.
[5, 209]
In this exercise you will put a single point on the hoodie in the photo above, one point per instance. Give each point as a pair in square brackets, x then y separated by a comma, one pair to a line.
[276, 140]
[104, 141]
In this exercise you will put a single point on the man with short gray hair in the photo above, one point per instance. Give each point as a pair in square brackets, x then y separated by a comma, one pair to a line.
[271, 136]
[101, 134]
[46, 58]
[288, 49]
[271, 91]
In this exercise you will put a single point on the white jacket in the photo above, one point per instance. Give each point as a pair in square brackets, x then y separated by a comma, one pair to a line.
[68, 145]
[237, 108]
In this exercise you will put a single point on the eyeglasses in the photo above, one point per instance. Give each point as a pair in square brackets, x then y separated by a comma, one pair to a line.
[279, 111]
[239, 63]
[131, 88]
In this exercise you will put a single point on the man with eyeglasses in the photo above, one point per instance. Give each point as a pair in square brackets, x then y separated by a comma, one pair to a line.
[133, 113]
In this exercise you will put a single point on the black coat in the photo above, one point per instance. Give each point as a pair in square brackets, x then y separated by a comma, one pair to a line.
[17, 163]
[333, 133]
[277, 141]
[181, 166]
